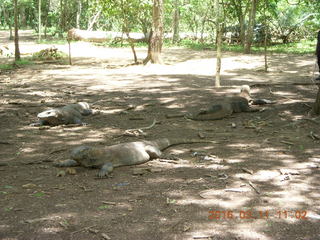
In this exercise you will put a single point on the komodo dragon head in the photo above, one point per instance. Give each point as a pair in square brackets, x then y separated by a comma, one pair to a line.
[88, 156]
[51, 116]
[245, 92]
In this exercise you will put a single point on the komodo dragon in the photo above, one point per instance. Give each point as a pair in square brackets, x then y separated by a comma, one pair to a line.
[69, 114]
[123, 154]
[229, 105]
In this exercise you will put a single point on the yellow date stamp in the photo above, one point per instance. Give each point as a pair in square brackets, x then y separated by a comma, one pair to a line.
[254, 214]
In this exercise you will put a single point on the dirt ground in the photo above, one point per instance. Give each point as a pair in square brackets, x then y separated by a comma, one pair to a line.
[258, 179]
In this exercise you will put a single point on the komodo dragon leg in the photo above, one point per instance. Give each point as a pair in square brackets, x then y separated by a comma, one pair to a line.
[105, 170]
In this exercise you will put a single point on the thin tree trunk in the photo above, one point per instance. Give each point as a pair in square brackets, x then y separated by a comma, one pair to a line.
[93, 20]
[78, 14]
[69, 44]
[62, 18]
[249, 37]
[46, 19]
[176, 20]
[16, 35]
[155, 43]
[316, 105]
[265, 37]
[219, 42]
[132, 48]
[7, 19]
[39, 21]
[242, 30]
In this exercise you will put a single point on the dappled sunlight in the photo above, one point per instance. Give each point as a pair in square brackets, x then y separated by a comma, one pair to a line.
[218, 198]
[261, 161]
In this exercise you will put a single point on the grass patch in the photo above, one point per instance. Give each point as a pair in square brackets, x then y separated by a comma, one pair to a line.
[56, 41]
[302, 47]
[6, 66]
[16, 64]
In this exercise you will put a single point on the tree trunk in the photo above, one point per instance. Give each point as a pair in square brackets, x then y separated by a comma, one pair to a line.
[7, 19]
[39, 21]
[46, 19]
[132, 48]
[155, 42]
[249, 37]
[242, 30]
[93, 20]
[219, 42]
[316, 105]
[265, 36]
[62, 18]
[16, 36]
[78, 14]
[176, 20]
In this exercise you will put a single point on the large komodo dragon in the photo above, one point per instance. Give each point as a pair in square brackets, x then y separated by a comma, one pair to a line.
[123, 154]
[69, 114]
[229, 105]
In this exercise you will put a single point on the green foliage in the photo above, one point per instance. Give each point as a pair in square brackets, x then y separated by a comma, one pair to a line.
[302, 47]
[16, 64]
[24, 61]
[103, 207]
[6, 66]
[39, 194]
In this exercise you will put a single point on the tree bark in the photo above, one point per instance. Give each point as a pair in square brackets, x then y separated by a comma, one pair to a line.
[156, 38]
[62, 18]
[46, 19]
[78, 14]
[176, 20]
[7, 19]
[219, 42]
[249, 37]
[93, 20]
[316, 105]
[39, 20]
[265, 36]
[16, 35]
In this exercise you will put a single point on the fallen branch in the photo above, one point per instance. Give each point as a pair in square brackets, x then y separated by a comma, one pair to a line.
[289, 143]
[138, 131]
[254, 188]
[82, 229]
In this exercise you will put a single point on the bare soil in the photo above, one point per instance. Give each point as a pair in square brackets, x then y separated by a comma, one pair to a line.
[259, 179]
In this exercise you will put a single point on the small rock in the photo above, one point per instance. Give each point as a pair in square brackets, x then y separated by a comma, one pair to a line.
[201, 135]
[105, 236]
[139, 171]
[29, 185]
[154, 170]
[92, 230]
[284, 178]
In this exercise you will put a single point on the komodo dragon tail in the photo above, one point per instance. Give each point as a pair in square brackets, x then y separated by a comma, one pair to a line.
[164, 143]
